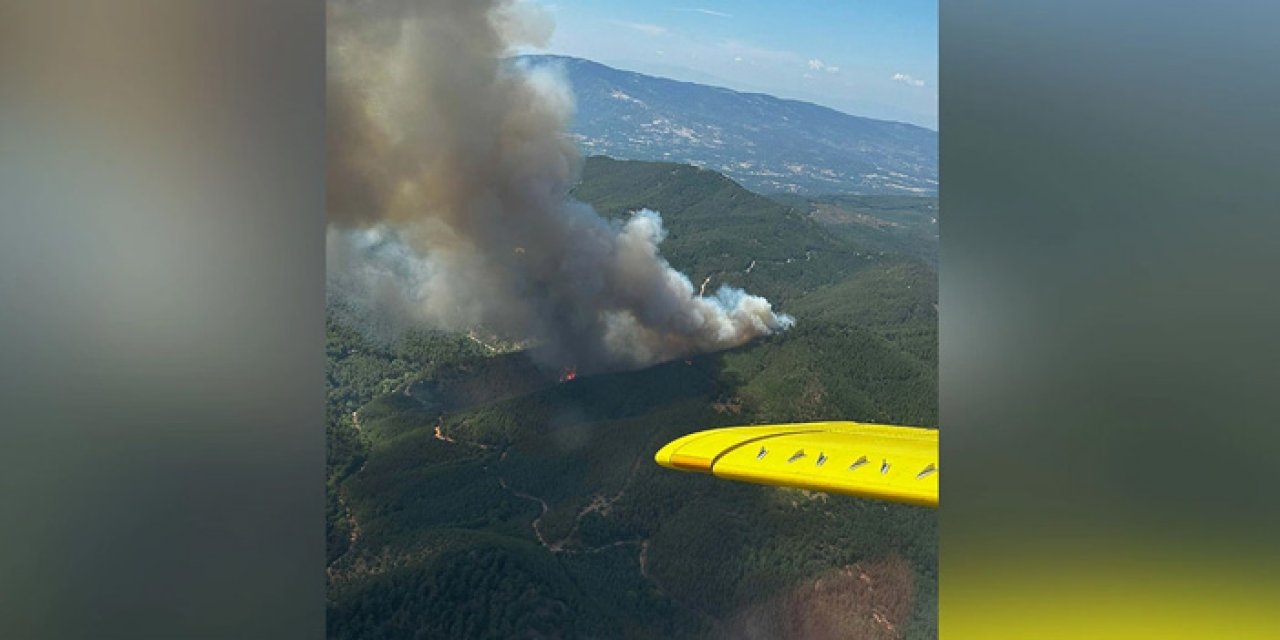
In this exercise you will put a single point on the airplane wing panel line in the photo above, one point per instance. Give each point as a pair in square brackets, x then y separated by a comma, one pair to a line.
[866, 460]
[700, 451]
[755, 440]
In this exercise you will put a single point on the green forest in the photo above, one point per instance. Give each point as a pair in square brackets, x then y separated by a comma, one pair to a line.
[473, 494]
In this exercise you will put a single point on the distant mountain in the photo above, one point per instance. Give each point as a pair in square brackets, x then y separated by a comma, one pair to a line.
[767, 144]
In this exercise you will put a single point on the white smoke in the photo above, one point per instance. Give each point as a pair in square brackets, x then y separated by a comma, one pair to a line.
[449, 174]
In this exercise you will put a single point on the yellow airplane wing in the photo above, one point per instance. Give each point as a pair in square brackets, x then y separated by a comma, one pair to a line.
[866, 460]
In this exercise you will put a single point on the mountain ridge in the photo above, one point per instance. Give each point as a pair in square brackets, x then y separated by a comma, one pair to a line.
[767, 143]
[550, 57]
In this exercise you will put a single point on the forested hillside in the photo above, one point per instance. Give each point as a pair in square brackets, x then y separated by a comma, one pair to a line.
[473, 494]
[898, 224]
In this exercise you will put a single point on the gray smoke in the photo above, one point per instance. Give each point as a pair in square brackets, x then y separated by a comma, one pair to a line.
[448, 176]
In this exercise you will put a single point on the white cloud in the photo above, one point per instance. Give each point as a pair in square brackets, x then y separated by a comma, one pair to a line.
[643, 27]
[707, 12]
[818, 65]
[908, 80]
[754, 53]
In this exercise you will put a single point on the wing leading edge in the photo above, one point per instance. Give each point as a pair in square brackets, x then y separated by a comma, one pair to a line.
[867, 460]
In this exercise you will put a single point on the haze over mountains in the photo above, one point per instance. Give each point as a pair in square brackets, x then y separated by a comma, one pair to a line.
[768, 144]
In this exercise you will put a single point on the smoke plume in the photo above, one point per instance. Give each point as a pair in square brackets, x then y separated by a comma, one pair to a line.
[448, 174]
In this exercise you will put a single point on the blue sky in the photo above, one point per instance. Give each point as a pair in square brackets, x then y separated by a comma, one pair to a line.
[876, 58]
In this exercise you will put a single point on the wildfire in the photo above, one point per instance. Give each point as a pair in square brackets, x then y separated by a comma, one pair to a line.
[568, 374]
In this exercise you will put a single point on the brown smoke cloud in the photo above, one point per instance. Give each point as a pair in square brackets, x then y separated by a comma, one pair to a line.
[448, 176]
